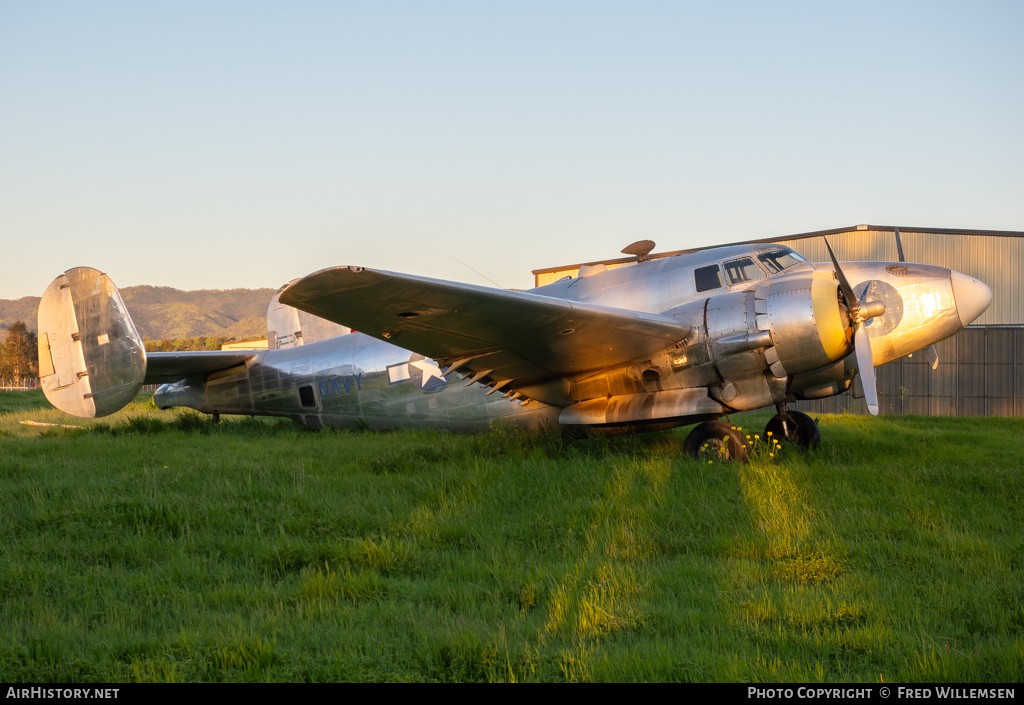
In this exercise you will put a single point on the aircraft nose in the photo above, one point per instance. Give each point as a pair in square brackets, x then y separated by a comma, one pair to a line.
[972, 297]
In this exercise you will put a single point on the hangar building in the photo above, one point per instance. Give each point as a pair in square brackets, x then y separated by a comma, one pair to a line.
[981, 369]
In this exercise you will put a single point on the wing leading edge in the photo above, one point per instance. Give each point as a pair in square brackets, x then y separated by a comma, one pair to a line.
[511, 339]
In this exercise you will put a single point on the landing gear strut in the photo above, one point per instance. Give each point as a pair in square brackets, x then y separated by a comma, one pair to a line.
[717, 437]
[795, 427]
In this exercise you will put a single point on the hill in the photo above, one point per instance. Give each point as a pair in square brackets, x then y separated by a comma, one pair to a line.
[163, 312]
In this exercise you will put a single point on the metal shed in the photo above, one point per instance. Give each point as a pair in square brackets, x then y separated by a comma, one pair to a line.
[981, 369]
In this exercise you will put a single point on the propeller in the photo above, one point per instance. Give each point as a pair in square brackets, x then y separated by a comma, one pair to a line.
[930, 351]
[859, 313]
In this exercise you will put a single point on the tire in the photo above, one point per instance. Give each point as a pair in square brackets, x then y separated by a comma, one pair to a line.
[716, 436]
[798, 429]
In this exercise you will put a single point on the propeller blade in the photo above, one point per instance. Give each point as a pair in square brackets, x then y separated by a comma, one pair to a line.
[933, 356]
[866, 368]
[844, 284]
[899, 246]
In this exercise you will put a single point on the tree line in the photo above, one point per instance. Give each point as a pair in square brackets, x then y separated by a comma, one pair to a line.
[19, 354]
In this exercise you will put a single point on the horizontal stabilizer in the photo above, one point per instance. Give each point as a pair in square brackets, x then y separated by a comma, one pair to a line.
[91, 358]
[168, 367]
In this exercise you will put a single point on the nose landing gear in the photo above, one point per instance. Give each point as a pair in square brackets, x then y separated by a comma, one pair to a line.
[793, 427]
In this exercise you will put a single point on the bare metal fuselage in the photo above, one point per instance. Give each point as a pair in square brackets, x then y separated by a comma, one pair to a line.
[349, 381]
[752, 344]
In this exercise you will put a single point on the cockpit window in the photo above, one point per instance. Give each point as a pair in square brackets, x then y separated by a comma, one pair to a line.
[707, 278]
[777, 260]
[742, 270]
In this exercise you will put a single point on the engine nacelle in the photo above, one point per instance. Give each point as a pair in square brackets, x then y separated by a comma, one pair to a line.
[809, 327]
[759, 338]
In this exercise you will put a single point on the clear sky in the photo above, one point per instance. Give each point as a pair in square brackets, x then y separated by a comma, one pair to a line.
[243, 144]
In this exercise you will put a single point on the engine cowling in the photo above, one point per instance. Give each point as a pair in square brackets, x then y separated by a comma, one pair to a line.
[808, 325]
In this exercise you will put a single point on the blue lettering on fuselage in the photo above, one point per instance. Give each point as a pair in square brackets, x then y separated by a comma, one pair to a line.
[336, 386]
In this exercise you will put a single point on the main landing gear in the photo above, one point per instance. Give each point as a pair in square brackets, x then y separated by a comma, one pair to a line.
[717, 437]
[722, 438]
[793, 427]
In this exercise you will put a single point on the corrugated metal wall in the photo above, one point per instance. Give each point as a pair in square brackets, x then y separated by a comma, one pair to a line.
[980, 373]
[544, 278]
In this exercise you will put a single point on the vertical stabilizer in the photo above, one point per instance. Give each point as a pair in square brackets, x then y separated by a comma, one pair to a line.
[288, 327]
[91, 359]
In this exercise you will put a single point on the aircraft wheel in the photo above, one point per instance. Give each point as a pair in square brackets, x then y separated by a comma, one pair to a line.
[794, 427]
[714, 437]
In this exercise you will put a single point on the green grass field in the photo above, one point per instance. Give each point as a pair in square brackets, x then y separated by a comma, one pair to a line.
[156, 547]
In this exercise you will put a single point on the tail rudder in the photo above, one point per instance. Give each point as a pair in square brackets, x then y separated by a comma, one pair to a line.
[289, 327]
[91, 358]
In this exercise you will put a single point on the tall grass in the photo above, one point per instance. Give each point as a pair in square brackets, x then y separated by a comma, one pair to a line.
[157, 547]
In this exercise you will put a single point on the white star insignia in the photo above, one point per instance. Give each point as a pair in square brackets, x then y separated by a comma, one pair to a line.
[429, 369]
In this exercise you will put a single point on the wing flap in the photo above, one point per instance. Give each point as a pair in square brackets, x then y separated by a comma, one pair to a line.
[515, 335]
[693, 404]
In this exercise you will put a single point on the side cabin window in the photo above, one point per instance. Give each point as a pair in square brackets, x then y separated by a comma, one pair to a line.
[707, 278]
[777, 260]
[742, 270]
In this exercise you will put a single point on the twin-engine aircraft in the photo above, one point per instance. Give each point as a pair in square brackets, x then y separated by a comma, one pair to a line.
[655, 344]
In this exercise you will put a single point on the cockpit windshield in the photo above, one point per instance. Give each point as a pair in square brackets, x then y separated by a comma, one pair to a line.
[777, 260]
[742, 270]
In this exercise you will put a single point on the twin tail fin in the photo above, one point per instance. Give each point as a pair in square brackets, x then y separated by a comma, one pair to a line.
[91, 357]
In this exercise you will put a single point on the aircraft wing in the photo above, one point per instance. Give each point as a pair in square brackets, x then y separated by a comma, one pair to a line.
[510, 337]
[164, 368]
